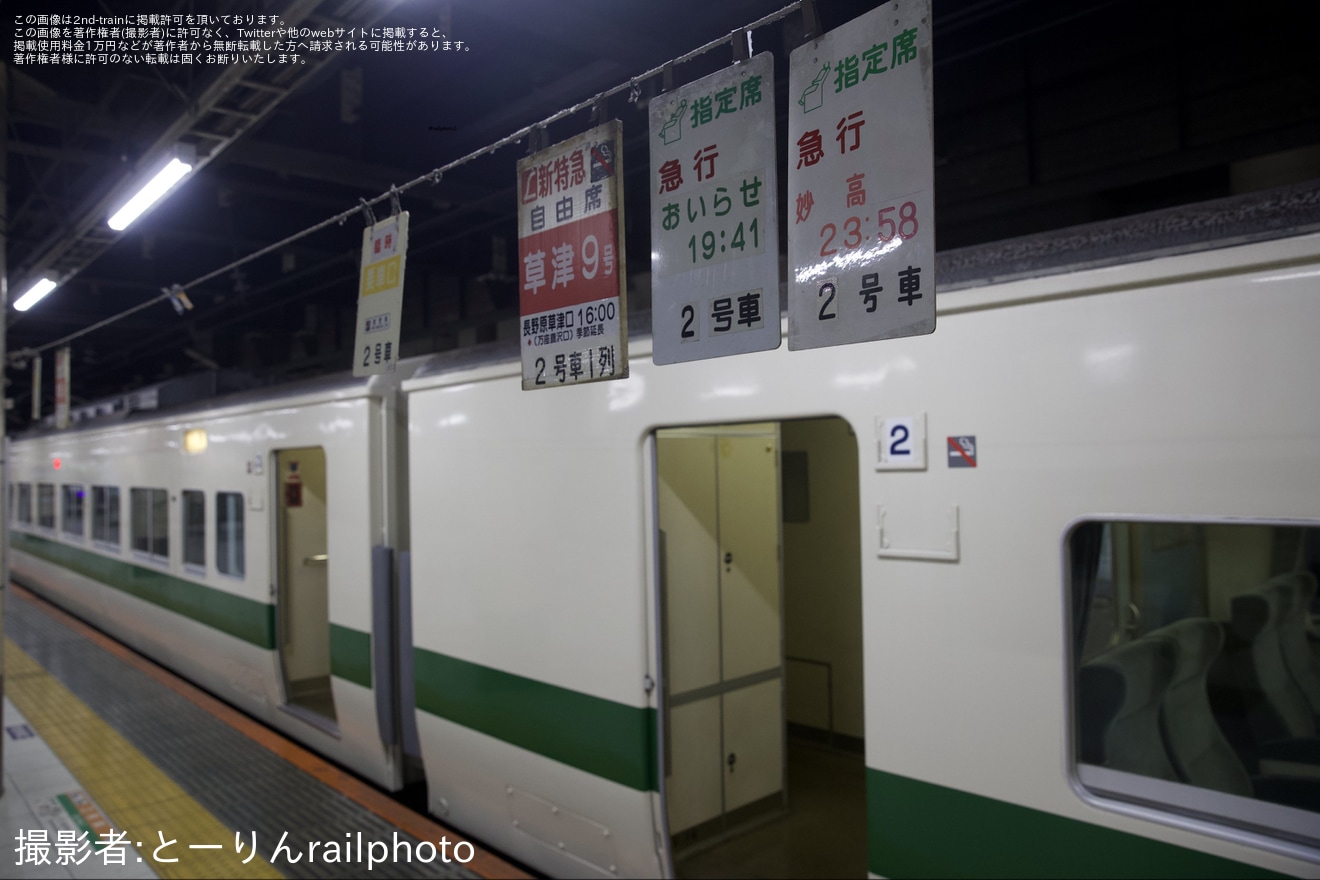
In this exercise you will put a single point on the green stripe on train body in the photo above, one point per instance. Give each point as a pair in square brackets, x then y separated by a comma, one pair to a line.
[909, 821]
[246, 619]
[350, 655]
[919, 829]
[600, 736]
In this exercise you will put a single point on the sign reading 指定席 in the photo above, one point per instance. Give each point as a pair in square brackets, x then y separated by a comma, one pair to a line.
[861, 221]
[714, 216]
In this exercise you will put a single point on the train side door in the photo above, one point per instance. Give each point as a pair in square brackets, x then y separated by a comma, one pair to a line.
[718, 496]
[303, 603]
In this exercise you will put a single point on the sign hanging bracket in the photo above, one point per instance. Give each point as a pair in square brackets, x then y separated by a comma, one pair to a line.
[742, 45]
[178, 299]
[601, 107]
[367, 212]
[810, 21]
[395, 208]
[536, 140]
[667, 77]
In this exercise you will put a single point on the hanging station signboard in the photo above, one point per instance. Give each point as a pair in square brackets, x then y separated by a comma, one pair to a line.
[714, 216]
[861, 221]
[572, 292]
[63, 362]
[380, 296]
[36, 388]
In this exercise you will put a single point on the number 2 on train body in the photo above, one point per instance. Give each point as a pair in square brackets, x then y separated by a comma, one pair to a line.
[902, 441]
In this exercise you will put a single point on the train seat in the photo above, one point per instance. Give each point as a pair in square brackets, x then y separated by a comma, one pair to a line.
[1298, 588]
[1279, 709]
[1283, 726]
[1120, 694]
[1197, 747]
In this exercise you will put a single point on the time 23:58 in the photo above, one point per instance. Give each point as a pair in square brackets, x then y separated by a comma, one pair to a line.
[904, 227]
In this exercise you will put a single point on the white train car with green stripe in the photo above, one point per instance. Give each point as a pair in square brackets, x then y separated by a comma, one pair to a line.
[1033, 595]
[241, 543]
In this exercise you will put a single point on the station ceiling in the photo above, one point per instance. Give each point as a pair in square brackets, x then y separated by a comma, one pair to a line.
[1047, 115]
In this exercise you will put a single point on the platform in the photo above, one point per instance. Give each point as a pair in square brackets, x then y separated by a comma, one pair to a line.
[103, 745]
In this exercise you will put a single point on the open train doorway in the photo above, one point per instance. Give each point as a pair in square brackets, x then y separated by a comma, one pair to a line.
[303, 601]
[758, 548]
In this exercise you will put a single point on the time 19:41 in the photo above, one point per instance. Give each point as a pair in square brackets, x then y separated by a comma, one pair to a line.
[710, 245]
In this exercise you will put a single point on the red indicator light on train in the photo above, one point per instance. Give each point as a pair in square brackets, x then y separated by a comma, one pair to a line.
[56, 462]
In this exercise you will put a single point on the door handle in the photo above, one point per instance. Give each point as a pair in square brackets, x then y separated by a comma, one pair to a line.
[318, 559]
[1133, 623]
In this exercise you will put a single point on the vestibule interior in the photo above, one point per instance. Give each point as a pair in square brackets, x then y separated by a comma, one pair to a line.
[303, 610]
[759, 546]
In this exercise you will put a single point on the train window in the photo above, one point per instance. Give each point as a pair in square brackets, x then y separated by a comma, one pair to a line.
[46, 505]
[150, 525]
[105, 514]
[1196, 670]
[71, 514]
[229, 533]
[194, 528]
[24, 512]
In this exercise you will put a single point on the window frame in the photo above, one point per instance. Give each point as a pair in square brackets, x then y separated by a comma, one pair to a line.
[226, 524]
[100, 492]
[23, 506]
[40, 518]
[152, 535]
[1280, 829]
[77, 493]
[186, 497]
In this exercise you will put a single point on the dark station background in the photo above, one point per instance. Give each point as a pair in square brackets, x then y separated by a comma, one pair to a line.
[1047, 115]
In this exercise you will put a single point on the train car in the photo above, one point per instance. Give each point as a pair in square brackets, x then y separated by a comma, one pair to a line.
[623, 594]
[1023, 596]
[244, 544]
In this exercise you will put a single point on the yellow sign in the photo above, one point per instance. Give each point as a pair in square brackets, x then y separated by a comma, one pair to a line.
[380, 296]
[381, 276]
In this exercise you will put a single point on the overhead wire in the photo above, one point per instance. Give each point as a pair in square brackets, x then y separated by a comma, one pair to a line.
[433, 177]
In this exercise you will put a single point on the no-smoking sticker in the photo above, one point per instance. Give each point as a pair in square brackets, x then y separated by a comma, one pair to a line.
[962, 451]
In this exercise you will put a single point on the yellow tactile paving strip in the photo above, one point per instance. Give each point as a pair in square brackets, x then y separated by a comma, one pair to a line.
[135, 796]
[485, 864]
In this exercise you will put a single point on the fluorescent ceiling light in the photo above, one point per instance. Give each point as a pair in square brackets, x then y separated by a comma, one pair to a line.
[34, 294]
[147, 196]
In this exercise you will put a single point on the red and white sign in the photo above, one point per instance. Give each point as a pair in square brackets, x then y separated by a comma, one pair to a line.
[572, 293]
